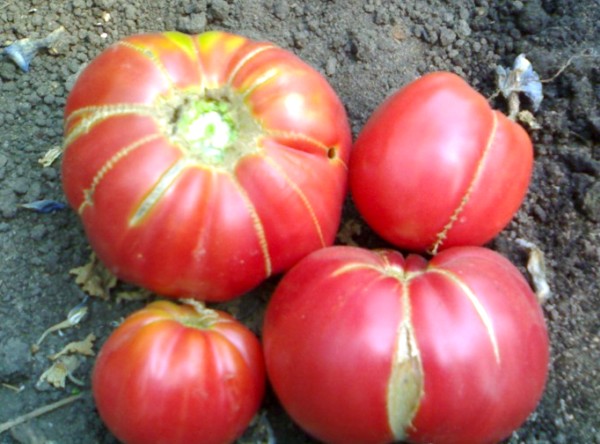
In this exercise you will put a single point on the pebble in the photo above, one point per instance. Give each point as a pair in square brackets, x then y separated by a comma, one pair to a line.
[14, 356]
[330, 66]
[591, 202]
[447, 36]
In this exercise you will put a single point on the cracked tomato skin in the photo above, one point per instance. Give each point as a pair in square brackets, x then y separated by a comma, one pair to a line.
[435, 166]
[371, 347]
[200, 165]
[172, 374]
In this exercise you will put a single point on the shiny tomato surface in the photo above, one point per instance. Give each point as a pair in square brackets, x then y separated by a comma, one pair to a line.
[200, 165]
[371, 347]
[435, 166]
[174, 374]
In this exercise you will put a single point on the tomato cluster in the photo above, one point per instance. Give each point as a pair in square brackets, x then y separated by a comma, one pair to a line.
[201, 165]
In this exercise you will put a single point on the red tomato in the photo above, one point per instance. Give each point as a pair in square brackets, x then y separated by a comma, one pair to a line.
[172, 374]
[436, 167]
[201, 165]
[369, 347]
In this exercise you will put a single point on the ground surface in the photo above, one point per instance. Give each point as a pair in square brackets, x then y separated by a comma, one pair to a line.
[366, 49]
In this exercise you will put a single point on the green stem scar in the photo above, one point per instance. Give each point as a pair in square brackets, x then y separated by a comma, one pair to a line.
[208, 128]
[213, 128]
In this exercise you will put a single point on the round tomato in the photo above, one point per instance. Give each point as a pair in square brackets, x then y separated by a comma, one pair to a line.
[178, 374]
[371, 347]
[200, 165]
[436, 167]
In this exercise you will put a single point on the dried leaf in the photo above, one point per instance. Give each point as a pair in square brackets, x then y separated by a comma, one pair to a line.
[51, 155]
[94, 278]
[259, 431]
[527, 118]
[536, 266]
[350, 229]
[84, 347]
[58, 372]
[139, 294]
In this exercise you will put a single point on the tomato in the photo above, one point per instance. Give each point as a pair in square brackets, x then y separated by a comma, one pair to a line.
[200, 165]
[173, 373]
[371, 347]
[435, 166]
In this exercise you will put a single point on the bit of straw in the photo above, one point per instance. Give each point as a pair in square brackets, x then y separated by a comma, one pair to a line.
[38, 412]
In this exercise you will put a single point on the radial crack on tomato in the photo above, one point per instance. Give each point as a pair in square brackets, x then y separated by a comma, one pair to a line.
[406, 384]
[482, 313]
[258, 225]
[302, 196]
[92, 115]
[244, 60]
[302, 142]
[463, 202]
[88, 193]
[158, 190]
[153, 57]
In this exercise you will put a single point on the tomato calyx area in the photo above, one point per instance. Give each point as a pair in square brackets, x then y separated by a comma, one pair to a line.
[202, 318]
[213, 127]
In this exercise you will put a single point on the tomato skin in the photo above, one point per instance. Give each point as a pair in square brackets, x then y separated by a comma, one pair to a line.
[435, 166]
[163, 214]
[371, 347]
[159, 378]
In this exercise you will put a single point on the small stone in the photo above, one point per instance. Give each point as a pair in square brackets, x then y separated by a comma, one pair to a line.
[14, 357]
[281, 9]
[591, 202]
[447, 37]
[192, 24]
[330, 66]
[463, 29]
[8, 203]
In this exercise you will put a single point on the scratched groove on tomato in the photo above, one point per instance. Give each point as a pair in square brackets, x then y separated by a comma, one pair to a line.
[200, 165]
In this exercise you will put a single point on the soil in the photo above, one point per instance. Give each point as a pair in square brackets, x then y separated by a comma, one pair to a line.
[366, 49]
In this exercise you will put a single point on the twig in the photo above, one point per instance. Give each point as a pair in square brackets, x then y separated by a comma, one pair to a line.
[585, 53]
[38, 412]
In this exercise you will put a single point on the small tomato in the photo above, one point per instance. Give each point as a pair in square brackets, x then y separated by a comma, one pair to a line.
[436, 167]
[178, 374]
[371, 347]
[200, 165]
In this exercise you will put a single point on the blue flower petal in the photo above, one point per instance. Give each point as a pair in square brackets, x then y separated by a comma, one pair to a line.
[45, 206]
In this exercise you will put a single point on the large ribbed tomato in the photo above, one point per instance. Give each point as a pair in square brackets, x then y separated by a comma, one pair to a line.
[435, 166]
[179, 374]
[200, 165]
[371, 347]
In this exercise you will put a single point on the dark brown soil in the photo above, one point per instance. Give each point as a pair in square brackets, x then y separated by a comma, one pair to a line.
[367, 49]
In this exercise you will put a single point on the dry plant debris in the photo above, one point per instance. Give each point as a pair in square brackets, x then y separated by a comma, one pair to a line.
[536, 266]
[349, 229]
[74, 317]
[57, 374]
[51, 155]
[94, 278]
[38, 412]
[84, 347]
